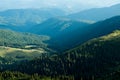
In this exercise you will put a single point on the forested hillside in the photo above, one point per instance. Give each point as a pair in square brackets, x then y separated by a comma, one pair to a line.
[99, 57]
[95, 59]
[17, 39]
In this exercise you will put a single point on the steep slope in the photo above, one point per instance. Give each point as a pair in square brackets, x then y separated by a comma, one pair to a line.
[72, 33]
[95, 30]
[77, 33]
[98, 57]
[97, 14]
[101, 28]
[61, 31]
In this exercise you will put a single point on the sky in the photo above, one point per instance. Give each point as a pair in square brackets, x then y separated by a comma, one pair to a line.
[64, 4]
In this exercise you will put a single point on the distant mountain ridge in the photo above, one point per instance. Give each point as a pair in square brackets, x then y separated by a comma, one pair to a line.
[97, 14]
[55, 26]
[27, 17]
[76, 33]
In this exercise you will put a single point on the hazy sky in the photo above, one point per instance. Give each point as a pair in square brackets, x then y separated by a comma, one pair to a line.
[71, 4]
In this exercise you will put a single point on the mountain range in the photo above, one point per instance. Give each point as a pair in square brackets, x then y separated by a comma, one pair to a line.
[72, 33]
[60, 30]
[27, 17]
[46, 44]
[97, 14]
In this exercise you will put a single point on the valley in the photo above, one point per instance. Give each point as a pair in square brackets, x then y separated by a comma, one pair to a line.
[54, 44]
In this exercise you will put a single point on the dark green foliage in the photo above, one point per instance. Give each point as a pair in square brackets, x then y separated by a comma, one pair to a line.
[96, 59]
[111, 76]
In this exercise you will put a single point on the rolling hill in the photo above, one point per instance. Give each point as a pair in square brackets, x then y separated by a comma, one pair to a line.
[12, 38]
[21, 46]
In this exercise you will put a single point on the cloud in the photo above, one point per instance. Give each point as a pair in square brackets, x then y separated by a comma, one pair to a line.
[73, 4]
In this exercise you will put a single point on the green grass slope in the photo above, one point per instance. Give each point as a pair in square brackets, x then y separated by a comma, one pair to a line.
[21, 46]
